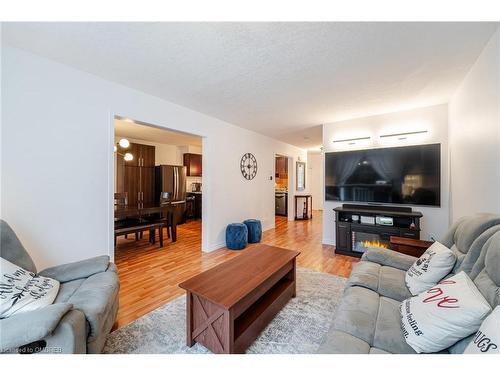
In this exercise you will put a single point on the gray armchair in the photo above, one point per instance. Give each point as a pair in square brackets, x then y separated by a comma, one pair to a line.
[82, 314]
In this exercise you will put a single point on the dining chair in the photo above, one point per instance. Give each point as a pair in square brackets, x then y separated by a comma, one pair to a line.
[121, 200]
[165, 199]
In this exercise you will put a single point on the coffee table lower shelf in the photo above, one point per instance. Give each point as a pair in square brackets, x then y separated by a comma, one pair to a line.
[248, 325]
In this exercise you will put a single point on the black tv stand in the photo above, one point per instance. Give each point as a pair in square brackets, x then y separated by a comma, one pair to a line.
[359, 227]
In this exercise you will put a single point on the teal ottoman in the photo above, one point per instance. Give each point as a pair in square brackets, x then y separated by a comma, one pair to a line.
[254, 227]
[236, 236]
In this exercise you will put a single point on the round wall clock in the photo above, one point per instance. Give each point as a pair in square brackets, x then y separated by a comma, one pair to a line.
[248, 166]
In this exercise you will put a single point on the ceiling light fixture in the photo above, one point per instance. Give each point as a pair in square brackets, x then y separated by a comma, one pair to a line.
[402, 136]
[124, 143]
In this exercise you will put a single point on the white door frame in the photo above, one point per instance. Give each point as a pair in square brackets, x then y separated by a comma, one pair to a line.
[111, 184]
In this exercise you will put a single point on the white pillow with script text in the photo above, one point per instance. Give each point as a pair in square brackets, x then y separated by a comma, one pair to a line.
[487, 339]
[430, 268]
[22, 291]
[439, 317]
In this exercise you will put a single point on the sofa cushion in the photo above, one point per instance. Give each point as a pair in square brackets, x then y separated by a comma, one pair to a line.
[475, 250]
[392, 284]
[486, 271]
[459, 346]
[378, 351]
[386, 257]
[388, 335]
[338, 342]
[66, 290]
[365, 274]
[359, 322]
[366, 322]
[77, 270]
[469, 229]
[387, 281]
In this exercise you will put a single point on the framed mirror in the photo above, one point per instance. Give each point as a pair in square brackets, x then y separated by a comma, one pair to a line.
[301, 176]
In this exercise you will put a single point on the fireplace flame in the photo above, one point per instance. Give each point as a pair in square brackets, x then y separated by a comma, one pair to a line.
[375, 243]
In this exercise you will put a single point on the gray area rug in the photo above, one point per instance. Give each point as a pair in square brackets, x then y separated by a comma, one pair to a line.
[300, 327]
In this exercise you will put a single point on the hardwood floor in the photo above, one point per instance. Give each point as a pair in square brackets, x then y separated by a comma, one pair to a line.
[150, 276]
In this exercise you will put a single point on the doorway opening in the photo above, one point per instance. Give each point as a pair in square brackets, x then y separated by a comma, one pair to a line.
[281, 185]
[157, 188]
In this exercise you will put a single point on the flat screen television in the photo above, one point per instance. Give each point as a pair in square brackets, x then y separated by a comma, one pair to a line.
[398, 175]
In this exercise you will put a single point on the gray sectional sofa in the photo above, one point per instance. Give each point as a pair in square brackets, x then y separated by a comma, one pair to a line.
[82, 314]
[368, 319]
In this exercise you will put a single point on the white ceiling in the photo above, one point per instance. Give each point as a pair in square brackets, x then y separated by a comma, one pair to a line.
[130, 129]
[278, 79]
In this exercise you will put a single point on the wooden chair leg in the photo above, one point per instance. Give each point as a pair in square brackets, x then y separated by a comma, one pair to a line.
[136, 236]
[152, 236]
[126, 236]
[160, 231]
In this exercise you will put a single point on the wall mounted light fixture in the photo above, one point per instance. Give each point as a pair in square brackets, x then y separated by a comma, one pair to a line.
[351, 141]
[402, 136]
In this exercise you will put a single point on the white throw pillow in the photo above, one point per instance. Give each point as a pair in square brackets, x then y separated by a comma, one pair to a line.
[22, 291]
[442, 315]
[430, 268]
[487, 339]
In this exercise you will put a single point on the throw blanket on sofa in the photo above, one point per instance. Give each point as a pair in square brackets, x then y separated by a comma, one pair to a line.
[21, 290]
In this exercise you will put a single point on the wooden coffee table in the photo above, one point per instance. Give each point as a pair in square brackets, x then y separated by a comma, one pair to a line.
[229, 305]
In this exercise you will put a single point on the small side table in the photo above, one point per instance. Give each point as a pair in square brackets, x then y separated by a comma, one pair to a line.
[303, 207]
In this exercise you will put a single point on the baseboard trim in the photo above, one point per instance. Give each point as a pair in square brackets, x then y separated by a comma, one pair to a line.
[328, 241]
[215, 246]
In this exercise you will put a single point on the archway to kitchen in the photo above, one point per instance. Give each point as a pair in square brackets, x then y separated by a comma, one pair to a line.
[158, 176]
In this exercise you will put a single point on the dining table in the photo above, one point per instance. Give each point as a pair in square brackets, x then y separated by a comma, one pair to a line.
[142, 210]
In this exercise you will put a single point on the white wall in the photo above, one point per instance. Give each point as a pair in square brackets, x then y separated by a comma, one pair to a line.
[1, 117]
[474, 113]
[57, 165]
[316, 173]
[435, 221]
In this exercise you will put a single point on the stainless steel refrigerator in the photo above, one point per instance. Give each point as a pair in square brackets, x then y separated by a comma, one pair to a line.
[172, 179]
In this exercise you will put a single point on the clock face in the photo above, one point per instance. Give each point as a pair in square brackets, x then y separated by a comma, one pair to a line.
[248, 166]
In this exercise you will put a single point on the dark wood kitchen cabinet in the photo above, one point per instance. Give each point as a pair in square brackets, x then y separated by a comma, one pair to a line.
[137, 176]
[193, 162]
[195, 205]
[281, 167]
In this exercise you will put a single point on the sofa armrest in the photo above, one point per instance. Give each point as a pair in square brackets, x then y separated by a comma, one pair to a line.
[77, 270]
[390, 258]
[24, 328]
